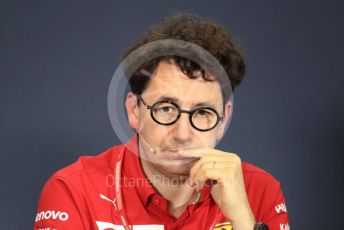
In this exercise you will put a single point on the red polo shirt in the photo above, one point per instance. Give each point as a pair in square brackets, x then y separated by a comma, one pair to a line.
[79, 197]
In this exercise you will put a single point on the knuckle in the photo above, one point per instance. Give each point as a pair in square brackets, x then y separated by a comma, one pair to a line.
[236, 158]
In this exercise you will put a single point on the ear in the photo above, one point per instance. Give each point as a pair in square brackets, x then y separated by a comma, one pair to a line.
[225, 120]
[132, 110]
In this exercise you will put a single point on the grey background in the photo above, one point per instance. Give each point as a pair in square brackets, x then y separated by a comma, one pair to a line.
[58, 57]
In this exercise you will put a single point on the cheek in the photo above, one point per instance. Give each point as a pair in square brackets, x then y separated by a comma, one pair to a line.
[206, 139]
[153, 132]
[146, 123]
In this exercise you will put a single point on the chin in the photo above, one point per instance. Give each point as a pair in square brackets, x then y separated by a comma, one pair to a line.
[177, 169]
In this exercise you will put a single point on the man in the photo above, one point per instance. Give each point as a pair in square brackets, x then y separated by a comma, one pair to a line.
[169, 175]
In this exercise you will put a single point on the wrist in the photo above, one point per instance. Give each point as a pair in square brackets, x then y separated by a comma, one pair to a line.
[243, 220]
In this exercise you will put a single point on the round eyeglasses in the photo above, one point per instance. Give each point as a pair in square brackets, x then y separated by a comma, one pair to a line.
[166, 112]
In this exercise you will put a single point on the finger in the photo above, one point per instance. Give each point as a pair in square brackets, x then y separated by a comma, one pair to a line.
[209, 174]
[198, 152]
[213, 162]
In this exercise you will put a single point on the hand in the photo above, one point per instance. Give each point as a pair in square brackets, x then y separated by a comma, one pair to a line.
[229, 190]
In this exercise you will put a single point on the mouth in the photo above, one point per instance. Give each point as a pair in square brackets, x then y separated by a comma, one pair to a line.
[173, 154]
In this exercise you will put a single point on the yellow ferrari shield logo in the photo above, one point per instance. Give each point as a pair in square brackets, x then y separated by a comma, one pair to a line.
[223, 226]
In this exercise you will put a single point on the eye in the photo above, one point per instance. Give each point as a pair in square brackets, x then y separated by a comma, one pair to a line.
[166, 109]
[203, 112]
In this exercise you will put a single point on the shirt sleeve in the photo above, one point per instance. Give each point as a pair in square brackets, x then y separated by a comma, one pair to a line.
[275, 213]
[59, 206]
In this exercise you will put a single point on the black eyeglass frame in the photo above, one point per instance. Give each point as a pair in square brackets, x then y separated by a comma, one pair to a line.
[180, 111]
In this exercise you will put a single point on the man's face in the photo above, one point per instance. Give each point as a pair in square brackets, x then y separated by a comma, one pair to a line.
[168, 82]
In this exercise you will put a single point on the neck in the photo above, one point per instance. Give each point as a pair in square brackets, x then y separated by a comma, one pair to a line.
[169, 186]
[174, 189]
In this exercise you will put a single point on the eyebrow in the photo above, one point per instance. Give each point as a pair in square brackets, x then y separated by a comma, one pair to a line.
[178, 102]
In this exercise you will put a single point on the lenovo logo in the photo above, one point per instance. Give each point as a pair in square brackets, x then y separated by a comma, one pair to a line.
[55, 215]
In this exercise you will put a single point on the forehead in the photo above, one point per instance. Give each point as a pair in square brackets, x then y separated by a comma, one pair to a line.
[169, 80]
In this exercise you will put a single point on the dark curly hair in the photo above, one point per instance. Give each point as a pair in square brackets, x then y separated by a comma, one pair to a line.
[194, 29]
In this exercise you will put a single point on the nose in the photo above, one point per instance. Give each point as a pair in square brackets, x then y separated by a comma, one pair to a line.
[183, 129]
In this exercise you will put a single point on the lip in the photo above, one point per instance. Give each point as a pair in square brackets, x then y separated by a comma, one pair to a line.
[177, 157]
[172, 150]
[176, 149]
